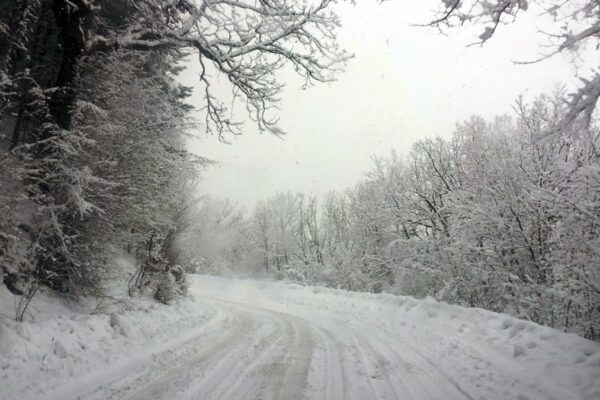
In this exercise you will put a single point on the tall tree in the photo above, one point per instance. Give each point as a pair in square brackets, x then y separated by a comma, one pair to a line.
[52, 54]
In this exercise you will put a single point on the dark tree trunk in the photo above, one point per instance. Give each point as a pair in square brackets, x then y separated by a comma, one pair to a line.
[71, 25]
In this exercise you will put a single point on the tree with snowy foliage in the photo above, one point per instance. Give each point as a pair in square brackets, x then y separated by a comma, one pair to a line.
[85, 163]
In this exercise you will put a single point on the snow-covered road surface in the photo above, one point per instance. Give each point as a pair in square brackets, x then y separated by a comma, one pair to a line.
[253, 353]
[265, 354]
[261, 340]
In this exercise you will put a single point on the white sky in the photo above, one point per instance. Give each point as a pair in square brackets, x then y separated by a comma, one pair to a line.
[404, 84]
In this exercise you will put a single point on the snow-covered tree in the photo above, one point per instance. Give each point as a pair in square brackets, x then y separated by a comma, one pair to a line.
[93, 122]
[503, 215]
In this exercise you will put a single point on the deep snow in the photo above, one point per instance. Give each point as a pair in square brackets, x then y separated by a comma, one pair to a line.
[237, 339]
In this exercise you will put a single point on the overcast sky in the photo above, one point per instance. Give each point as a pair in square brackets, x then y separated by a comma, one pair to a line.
[404, 84]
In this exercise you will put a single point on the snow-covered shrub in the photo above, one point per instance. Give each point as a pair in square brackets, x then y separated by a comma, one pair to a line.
[303, 273]
[170, 284]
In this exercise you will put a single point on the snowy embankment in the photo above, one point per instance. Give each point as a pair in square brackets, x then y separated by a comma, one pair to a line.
[253, 339]
[66, 350]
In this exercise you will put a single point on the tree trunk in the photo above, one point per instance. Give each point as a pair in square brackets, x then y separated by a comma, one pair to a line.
[71, 25]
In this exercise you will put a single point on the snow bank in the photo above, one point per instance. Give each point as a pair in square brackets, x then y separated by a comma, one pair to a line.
[65, 347]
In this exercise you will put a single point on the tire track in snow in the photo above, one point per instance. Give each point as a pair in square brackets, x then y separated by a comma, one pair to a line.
[418, 377]
[330, 374]
[382, 372]
[139, 369]
[444, 385]
[280, 367]
[372, 366]
[222, 366]
[226, 376]
[169, 383]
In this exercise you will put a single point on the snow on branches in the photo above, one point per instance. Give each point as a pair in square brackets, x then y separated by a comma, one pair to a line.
[247, 41]
[568, 27]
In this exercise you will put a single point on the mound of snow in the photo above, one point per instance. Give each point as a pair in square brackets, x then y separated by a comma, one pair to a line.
[65, 346]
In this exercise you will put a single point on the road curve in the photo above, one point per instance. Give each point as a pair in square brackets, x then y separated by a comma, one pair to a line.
[259, 353]
[237, 339]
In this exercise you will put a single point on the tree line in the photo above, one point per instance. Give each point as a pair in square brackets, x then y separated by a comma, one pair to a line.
[94, 125]
[503, 216]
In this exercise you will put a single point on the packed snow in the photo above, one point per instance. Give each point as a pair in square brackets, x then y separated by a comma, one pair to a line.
[249, 339]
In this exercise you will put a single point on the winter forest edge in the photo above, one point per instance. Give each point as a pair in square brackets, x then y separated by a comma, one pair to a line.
[504, 215]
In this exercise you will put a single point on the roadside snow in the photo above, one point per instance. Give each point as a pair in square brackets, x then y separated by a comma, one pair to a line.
[66, 349]
[232, 333]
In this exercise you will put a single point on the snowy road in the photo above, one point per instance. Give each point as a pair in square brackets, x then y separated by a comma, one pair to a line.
[253, 353]
[259, 353]
[243, 339]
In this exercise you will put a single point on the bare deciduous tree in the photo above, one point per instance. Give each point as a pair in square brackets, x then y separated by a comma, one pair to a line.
[246, 40]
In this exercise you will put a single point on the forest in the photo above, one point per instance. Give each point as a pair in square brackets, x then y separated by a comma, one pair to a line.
[94, 126]
[94, 160]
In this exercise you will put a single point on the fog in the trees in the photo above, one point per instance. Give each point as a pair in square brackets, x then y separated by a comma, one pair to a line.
[404, 83]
